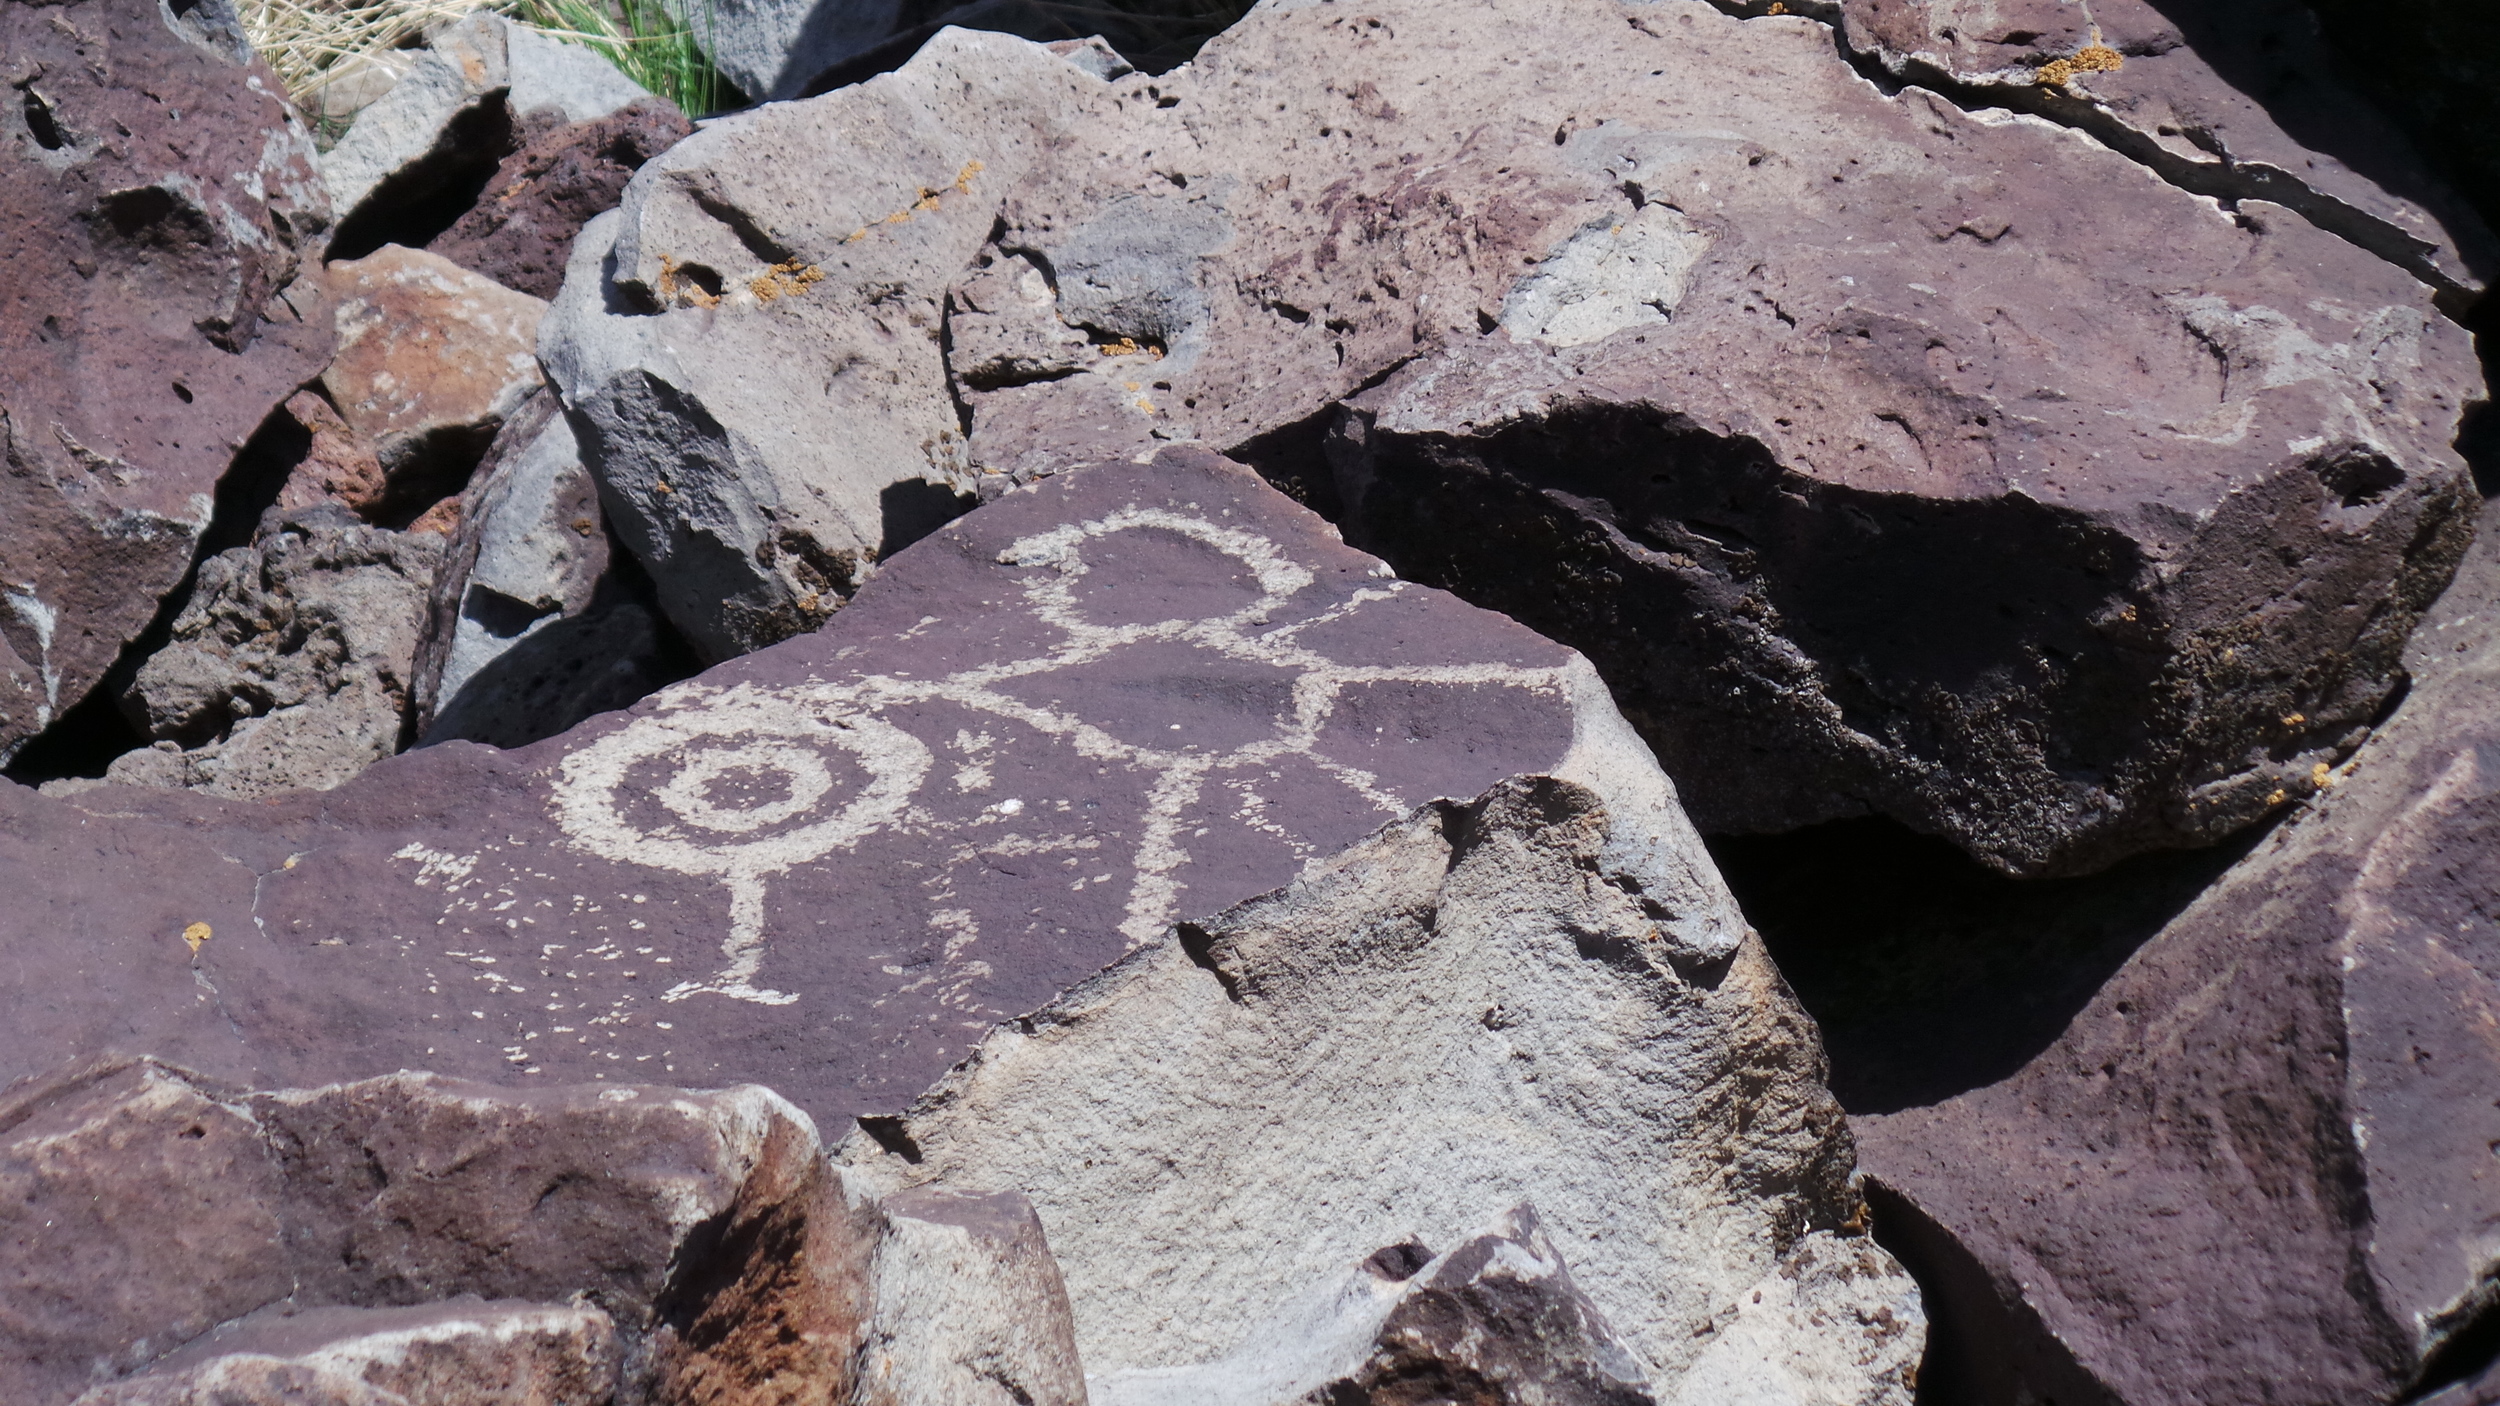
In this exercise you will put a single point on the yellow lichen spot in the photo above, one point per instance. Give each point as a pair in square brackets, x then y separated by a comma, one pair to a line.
[2294, 719]
[785, 280]
[2277, 798]
[1776, 8]
[1126, 346]
[196, 934]
[928, 199]
[673, 289]
[662, 487]
[963, 178]
[896, 218]
[2091, 58]
[2321, 776]
[1132, 385]
[1146, 405]
[856, 236]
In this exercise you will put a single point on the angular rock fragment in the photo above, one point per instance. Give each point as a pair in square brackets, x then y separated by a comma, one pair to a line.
[2239, 101]
[521, 230]
[969, 1307]
[161, 195]
[1469, 1009]
[1084, 711]
[2257, 1165]
[416, 1241]
[475, 96]
[290, 667]
[457, 1353]
[335, 465]
[1495, 1319]
[1700, 353]
[432, 359]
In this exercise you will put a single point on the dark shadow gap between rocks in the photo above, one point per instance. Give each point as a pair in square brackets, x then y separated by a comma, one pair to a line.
[418, 203]
[90, 733]
[1929, 973]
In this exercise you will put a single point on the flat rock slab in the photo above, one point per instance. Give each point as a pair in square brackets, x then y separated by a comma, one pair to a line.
[2257, 1166]
[1123, 697]
[161, 191]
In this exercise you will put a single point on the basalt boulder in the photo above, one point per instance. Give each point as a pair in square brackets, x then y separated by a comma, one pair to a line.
[162, 195]
[1887, 457]
[1470, 1009]
[521, 230]
[1068, 720]
[2257, 1164]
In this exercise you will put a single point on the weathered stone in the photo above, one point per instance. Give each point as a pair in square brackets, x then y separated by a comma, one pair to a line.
[336, 465]
[2256, 1166]
[1472, 1008]
[522, 228]
[458, 1353]
[432, 359]
[970, 1308]
[2234, 99]
[290, 666]
[185, 1244]
[1495, 1319]
[161, 194]
[1645, 359]
[1034, 717]
[464, 105]
[137, 1211]
[777, 49]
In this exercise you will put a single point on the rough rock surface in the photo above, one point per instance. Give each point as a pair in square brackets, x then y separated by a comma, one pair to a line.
[462, 107]
[1495, 1319]
[290, 666]
[432, 359]
[777, 49]
[1130, 694]
[2262, 1151]
[1683, 343]
[970, 1308]
[474, 1353]
[532, 626]
[161, 195]
[2235, 99]
[335, 464]
[147, 1207]
[1471, 1009]
[521, 230]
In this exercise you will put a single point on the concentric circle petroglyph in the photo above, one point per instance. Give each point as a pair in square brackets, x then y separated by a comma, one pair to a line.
[744, 772]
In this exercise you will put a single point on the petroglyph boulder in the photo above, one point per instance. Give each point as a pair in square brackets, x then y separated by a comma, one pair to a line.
[161, 193]
[2262, 1152]
[1473, 1008]
[1090, 709]
[1674, 338]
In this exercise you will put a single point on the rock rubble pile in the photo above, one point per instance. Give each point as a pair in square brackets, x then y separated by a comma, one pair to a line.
[1035, 721]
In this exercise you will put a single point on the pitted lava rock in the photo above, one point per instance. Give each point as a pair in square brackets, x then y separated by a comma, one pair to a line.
[161, 194]
[522, 226]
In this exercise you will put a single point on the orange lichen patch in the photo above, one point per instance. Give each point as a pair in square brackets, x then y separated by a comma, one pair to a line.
[785, 280]
[2278, 798]
[2091, 58]
[2321, 776]
[1776, 8]
[2294, 719]
[1130, 346]
[928, 199]
[196, 934]
[673, 288]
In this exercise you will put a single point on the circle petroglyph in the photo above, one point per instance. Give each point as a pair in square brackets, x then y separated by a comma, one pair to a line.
[734, 783]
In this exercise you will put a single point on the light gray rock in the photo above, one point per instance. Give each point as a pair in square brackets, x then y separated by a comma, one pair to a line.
[970, 1308]
[781, 273]
[1494, 1319]
[468, 89]
[1467, 1011]
[473, 1353]
[290, 667]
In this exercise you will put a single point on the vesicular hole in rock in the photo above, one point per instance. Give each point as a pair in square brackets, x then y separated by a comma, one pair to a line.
[1931, 974]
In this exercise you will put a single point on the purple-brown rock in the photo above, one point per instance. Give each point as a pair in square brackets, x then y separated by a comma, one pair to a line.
[161, 192]
[1128, 695]
[2258, 1165]
[521, 229]
[1886, 456]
